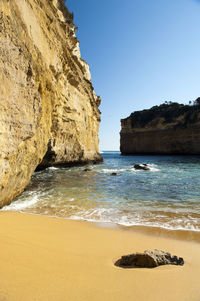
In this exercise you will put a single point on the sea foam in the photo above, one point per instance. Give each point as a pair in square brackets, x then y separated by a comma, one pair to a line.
[20, 205]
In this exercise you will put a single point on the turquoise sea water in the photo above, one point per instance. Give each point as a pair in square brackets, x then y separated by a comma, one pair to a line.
[166, 196]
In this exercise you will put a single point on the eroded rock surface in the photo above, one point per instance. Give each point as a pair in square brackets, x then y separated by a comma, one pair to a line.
[48, 108]
[149, 259]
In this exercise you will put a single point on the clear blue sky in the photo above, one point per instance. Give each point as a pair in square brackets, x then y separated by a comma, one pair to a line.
[141, 53]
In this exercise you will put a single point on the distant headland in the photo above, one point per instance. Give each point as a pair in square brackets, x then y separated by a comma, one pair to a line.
[170, 128]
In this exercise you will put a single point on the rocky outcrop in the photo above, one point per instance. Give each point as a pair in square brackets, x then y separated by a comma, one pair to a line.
[48, 108]
[149, 259]
[141, 167]
[166, 129]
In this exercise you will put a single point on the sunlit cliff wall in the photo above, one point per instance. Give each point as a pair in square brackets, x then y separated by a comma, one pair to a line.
[48, 108]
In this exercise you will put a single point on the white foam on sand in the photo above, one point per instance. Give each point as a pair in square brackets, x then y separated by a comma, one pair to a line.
[111, 215]
[136, 223]
[20, 205]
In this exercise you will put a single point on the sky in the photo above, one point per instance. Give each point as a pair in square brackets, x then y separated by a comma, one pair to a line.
[141, 53]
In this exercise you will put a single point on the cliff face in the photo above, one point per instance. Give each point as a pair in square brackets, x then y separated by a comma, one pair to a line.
[48, 109]
[166, 129]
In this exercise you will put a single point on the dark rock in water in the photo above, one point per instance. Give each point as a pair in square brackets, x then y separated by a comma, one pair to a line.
[113, 174]
[148, 259]
[87, 169]
[141, 167]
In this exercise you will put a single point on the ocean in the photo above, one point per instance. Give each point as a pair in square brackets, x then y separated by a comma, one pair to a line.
[166, 196]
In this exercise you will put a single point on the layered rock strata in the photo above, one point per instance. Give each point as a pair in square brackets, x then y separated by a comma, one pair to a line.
[48, 108]
[166, 129]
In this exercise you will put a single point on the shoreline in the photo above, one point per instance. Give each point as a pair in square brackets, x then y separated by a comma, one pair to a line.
[177, 234]
[44, 258]
[180, 234]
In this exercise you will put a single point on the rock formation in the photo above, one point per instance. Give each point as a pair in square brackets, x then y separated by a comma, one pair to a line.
[141, 167]
[48, 108]
[149, 259]
[166, 129]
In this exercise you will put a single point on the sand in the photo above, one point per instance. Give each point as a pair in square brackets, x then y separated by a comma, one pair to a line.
[46, 259]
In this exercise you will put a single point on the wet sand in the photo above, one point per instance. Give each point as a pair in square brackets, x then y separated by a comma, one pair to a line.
[49, 259]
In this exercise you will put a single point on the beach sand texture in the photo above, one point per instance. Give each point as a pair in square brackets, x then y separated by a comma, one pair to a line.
[49, 259]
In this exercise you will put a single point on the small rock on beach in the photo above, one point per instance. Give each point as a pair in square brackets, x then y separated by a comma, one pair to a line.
[149, 259]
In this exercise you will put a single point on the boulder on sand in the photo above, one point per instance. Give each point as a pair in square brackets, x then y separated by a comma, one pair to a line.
[148, 259]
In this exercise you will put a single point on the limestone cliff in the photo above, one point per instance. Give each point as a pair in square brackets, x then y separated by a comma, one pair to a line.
[48, 107]
[166, 129]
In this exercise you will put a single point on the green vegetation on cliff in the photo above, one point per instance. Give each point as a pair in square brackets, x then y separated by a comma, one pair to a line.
[168, 112]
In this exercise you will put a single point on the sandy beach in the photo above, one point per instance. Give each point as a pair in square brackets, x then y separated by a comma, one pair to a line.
[44, 258]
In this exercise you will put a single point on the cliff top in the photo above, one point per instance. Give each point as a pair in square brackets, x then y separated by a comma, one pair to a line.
[166, 113]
